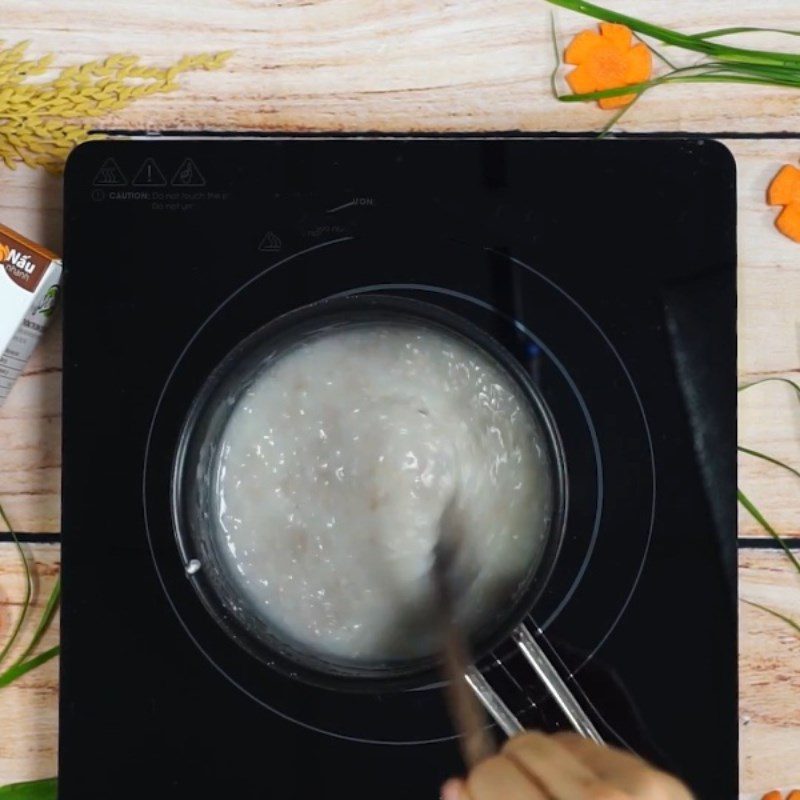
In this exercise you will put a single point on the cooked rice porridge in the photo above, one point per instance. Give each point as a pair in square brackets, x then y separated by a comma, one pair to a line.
[336, 465]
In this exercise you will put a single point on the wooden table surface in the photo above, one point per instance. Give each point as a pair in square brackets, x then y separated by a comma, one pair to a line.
[337, 65]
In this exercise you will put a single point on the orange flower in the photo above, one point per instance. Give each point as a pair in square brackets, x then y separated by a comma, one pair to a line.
[785, 191]
[607, 60]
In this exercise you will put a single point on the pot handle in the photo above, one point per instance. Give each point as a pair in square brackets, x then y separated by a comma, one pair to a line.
[555, 684]
[493, 703]
[548, 675]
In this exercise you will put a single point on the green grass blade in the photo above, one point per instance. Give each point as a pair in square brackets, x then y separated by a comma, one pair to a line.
[779, 74]
[634, 88]
[637, 25]
[717, 32]
[771, 460]
[606, 129]
[44, 621]
[26, 600]
[45, 789]
[787, 381]
[783, 617]
[686, 41]
[655, 51]
[18, 670]
[710, 71]
[716, 75]
[759, 518]
[556, 53]
[740, 77]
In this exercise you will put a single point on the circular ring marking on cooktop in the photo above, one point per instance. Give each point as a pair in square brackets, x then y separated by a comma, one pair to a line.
[648, 433]
[403, 717]
[388, 287]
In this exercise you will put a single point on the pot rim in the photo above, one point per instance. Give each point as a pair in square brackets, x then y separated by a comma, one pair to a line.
[287, 330]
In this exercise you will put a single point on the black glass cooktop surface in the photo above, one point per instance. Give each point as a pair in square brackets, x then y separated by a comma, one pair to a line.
[607, 270]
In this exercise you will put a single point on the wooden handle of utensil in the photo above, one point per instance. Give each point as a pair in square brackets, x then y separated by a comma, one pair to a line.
[468, 714]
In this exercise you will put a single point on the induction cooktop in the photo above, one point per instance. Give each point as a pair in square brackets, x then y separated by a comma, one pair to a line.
[606, 268]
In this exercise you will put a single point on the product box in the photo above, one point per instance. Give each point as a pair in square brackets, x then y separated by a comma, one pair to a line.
[29, 277]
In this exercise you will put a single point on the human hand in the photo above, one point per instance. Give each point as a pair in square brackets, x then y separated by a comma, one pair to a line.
[564, 766]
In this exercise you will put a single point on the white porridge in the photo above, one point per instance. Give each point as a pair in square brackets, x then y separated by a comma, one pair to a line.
[335, 468]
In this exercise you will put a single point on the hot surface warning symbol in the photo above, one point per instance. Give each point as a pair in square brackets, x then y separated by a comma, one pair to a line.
[271, 243]
[188, 174]
[149, 175]
[110, 174]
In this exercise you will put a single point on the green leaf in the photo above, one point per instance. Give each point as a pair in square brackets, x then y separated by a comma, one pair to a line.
[44, 621]
[18, 670]
[771, 460]
[45, 789]
[783, 617]
[759, 518]
[26, 600]
[717, 32]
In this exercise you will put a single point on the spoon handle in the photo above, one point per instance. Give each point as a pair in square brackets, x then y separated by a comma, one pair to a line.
[467, 713]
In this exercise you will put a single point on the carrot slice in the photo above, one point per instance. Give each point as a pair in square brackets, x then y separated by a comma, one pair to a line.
[581, 80]
[616, 102]
[788, 222]
[618, 35]
[640, 63]
[609, 67]
[794, 795]
[785, 187]
[776, 795]
[582, 46]
[608, 60]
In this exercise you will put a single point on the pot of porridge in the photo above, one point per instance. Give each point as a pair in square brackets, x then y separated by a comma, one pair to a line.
[313, 471]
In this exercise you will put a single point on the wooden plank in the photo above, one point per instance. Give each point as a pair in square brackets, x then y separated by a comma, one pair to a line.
[30, 441]
[769, 299]
[28, 707]
[769, 673]
[412, 65]
[769, 418]
[769, 285]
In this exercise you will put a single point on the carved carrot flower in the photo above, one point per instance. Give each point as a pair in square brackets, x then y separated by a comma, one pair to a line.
[785, 191]
[607, 60]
